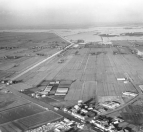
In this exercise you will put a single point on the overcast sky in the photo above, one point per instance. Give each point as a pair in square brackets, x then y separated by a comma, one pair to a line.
[45, 12]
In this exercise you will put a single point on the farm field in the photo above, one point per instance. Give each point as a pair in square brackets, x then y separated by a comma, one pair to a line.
[30, 122]
[25, 117]
[83, 72]
[9, 100]
[19, 112]
[39, 119]
[94, 75]
[20, 50]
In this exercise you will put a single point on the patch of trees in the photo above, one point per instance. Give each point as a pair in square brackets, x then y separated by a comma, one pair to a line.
[8, 48]
[80, 41]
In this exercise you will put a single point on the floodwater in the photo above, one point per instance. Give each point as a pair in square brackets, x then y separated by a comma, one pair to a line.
[91, 34]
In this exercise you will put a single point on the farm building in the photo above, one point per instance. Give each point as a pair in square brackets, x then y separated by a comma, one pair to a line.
[128, 93]
[65, 84]
[106, 42]
[120, 76]
[139, 53]
[48, 88]
[59, 93]
[62, 90]
[43, 92]
[75, 46]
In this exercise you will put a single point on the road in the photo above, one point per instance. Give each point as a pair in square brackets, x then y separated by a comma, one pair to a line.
[48, 58]
[45, 105]
[40, 103]
[140, 95]
[60, 112]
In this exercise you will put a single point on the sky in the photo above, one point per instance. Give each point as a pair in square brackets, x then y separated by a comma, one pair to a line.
[59, 12]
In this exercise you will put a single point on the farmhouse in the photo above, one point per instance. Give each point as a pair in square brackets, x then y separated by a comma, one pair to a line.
[139, 53]
[106, 43]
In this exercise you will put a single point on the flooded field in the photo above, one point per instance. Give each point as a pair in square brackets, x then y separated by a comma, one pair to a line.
[91, 34]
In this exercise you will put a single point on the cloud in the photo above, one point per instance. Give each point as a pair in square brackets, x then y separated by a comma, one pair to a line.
[38, 12]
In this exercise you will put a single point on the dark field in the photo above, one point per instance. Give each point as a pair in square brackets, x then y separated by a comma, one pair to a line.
[19, 112]
[9, 100]
[40, 118]
[30, 122]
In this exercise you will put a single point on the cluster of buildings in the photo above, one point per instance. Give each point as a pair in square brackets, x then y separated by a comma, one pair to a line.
[53, 88]
[81, 111]
[84, 111]
[107, 124]
[8, 47]
[65, 125]
[87, 114]
[109, 35]
[9, 82]
[10, 57]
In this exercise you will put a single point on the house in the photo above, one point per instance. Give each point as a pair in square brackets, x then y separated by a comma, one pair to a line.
[128, 93]
[84, 111]
[78, 116]
[75, 45]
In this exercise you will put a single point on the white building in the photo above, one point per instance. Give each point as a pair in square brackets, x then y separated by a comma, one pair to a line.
[78, 116]
[130, 94]
[139, 53]
[110, 104]
[75, 45]
[106, 42]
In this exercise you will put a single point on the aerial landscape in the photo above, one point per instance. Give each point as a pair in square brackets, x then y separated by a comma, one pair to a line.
[70, 77]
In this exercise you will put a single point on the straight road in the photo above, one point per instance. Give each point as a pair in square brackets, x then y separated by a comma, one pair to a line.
[48, 58]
